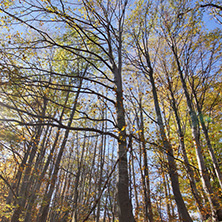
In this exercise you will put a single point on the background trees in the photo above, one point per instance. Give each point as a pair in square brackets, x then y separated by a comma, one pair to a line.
[109, 109]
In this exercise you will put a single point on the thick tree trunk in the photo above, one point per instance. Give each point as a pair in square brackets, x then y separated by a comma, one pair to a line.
[123, 199]
[124, 203]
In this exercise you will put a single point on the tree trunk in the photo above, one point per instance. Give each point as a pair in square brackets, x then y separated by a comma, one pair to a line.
[132, 174]
[123, 199]
[188, 168]
[46, 200]
[124, 203]
[215, 208]
[171, 161]
[38, 183]
[210, 148]
[145, 176]
[26, 183]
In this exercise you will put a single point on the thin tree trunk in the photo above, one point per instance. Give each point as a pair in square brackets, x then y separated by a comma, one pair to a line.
[132, 174]
[26, 183]
[215, 208]
[102, 156]
[37, 186]
[46, 200]
[145, 176]
[188, 168]
[171, 161]
[77, 179]
[205, 131]
[166, 196]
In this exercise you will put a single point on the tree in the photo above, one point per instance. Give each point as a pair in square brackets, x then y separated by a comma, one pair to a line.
[143, 62]
[103, 106]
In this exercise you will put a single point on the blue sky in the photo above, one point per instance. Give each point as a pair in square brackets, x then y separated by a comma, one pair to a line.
[210, 21]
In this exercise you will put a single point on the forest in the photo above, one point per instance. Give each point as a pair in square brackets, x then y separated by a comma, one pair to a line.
[110, 110]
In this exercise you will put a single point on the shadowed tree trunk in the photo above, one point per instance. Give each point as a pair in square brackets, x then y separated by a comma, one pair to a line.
[46, 200]
[188, 167]
[215, 208]
[206, 135]
[145, 174]
[169, 151]
[141, 41]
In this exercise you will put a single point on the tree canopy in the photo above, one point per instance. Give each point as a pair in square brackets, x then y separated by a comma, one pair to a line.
[110, 110]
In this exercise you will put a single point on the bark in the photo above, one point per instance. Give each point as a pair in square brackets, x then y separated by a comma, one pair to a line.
[26, 183]
[102, 156]
[37, 186]
[123, 199]
[124, 203]
[132, 174]
[210, 148]
[46, 200]
[77, 179]
[215, 208]
[171, 161]
[188, 167]
[145, 175]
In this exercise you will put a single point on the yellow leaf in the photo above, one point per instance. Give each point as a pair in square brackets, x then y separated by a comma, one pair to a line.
[123, 128]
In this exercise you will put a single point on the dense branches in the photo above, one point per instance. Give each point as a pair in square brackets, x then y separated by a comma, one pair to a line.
[110, 110]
